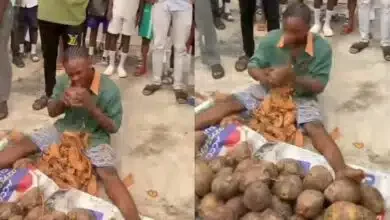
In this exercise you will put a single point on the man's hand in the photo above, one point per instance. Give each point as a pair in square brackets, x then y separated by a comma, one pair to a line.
[81, 98]
[281, 76]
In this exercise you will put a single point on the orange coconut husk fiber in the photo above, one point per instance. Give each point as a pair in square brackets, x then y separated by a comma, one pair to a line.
[67, 165]
[275, 118]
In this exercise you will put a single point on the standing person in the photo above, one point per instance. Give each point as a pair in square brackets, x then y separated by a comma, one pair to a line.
[146, 32]
[247, 12]
[17, 35]
[177, 13]
[123, 19]
[317, 27]
[57, 19]
[97, 14]
[366, 9]
[311, 56]
[29, 13]
[6, 69]
[209, 47]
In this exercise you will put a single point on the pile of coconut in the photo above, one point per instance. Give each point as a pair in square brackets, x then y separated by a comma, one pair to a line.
[237, 187]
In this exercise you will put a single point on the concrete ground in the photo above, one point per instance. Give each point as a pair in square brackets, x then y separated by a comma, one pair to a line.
[356, 99]
[154, 144]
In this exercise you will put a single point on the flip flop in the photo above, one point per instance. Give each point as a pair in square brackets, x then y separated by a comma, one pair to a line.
[358, 47]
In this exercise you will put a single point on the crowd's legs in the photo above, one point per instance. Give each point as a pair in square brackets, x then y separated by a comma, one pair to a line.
[208, 42]
[181, 22]
[327, 29]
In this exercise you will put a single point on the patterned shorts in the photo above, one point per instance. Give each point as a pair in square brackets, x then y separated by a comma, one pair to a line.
[102, 155]
[307, 109]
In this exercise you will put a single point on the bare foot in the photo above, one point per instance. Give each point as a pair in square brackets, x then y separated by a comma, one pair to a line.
[351, 173]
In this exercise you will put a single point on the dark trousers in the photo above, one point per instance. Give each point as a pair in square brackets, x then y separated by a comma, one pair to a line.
[50, 37]
[215, 9]
[247, 13]
[24, 19]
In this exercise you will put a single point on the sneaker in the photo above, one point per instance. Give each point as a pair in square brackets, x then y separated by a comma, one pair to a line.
[17, 60]
[109, 70]
[122, 72]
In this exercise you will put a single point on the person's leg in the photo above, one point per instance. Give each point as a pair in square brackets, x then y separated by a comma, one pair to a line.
[125, 45]
[161, 19]
[216, 15]
[6, 69]
[348, 28]
[104, 40]
[327, 29]
[210, 52]
[103, 158]
[247, 12]
[247, 99]
[316, 28]
[114, 28]
[93, 26]
[32, 17]
[271, 12]
[17, 37]
[227, 15]
[50, 34]
[385, 29]
[309, 117]
[144, 52]
[364, 9]
[117, 192]
[181, 29]
[39, 140]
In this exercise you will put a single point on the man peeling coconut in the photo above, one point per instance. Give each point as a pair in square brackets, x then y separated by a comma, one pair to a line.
[311, 57]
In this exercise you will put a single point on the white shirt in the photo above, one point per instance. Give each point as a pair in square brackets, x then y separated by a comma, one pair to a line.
[125, 8]
[29, 3]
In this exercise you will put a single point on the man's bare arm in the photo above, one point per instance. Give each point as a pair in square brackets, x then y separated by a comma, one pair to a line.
[310, 84]
[103, 120]
[56, 108]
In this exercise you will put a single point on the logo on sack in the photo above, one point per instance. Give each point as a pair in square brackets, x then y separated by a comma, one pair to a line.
[14, 182]
[220, 138]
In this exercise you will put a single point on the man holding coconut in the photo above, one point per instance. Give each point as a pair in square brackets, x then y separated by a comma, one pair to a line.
[296, 56]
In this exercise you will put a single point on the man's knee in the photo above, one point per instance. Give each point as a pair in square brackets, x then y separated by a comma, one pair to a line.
[314, 127]
[107, 173]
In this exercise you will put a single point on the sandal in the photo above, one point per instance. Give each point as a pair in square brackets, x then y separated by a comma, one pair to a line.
[217, 71]
[228, 17]
[219, 24]
[40, 103]
[3, 110]
[241, 63]
[181, 96]
[141, 70]
[34, 58]
[358, 47]
[347, 29]
[386, 52]
[150, 89]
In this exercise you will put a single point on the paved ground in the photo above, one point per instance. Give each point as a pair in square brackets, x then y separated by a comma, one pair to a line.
[355, 100]
[157, 153]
